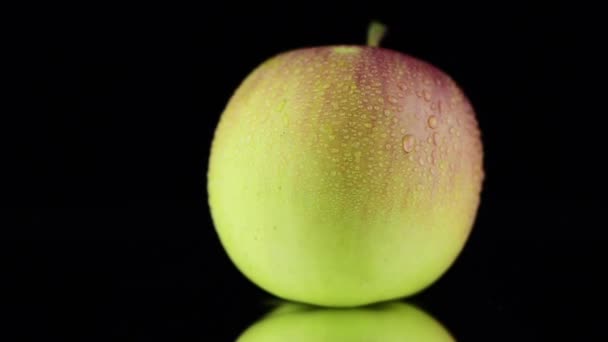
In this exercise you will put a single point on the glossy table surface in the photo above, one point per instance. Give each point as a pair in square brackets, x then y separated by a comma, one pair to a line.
[172, 280]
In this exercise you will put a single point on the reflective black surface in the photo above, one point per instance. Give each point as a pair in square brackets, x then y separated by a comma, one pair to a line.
[165, 284]
[105, 227]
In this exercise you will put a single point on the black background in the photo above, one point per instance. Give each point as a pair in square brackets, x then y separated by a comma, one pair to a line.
[109, 233]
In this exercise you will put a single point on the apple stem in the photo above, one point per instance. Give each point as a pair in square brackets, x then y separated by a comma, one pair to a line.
[375, 33]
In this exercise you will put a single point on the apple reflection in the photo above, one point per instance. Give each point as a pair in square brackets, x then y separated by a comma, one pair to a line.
[393, 321]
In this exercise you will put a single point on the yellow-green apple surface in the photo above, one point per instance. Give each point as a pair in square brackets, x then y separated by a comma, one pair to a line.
[383, 323]
[345, 175]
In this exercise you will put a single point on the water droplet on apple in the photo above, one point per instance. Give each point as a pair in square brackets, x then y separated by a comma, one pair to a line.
[408, 143]
[427, 95]
[432, 121]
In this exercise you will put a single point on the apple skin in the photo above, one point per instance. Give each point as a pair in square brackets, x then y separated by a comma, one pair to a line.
[345, 175]
[386, 322]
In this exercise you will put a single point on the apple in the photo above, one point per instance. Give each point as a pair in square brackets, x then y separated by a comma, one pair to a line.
[386, 322]
[345, 175]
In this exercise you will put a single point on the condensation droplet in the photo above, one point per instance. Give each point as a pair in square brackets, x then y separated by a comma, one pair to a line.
[408, 143]
[427, 95]
[435, 138]
[432, 121]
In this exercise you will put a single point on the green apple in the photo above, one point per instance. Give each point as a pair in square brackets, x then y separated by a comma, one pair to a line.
[345, 175]
[387, 322]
